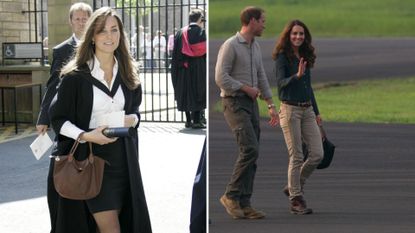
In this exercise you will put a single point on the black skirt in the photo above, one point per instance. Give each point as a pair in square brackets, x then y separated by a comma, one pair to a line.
[115, 183]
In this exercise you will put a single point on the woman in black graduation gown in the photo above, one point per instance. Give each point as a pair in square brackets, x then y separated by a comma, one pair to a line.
[188, 69]
[100, 80]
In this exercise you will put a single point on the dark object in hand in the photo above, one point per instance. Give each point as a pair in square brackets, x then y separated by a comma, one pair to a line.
[328, 148]
[118, 132]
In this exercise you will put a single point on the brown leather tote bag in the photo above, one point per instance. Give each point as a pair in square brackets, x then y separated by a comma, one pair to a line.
[78, 180]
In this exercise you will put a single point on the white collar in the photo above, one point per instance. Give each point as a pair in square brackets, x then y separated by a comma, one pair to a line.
[98, 73]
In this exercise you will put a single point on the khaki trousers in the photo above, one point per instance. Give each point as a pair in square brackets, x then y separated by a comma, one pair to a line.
[299, 125]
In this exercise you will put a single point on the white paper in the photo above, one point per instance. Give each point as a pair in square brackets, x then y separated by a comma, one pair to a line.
[40, 145]
[113, 119]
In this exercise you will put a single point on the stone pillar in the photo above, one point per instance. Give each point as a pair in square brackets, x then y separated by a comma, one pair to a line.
[58, 22]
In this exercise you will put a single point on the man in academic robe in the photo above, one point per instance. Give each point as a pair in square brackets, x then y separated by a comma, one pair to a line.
[188, 69]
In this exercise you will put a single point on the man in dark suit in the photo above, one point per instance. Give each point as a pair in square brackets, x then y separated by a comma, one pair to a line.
[79, 13]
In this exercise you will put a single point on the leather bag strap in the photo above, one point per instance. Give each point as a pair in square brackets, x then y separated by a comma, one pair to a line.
[323, 132]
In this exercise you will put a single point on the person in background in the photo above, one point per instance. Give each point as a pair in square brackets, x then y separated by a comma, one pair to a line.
[188, 69]
[241, 78]
[45, 44]
[101, 79]
[137, 46]
[170, 45]
[159, 45]
[148, 62]
[294, 57]
[79, 13]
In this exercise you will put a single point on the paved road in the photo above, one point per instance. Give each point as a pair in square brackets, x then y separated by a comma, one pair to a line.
[370, 186]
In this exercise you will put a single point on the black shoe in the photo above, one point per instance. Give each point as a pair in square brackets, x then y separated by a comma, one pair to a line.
[188, 124]
[198, 126]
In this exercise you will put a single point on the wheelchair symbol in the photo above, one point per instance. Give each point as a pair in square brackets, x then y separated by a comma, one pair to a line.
[9, 52]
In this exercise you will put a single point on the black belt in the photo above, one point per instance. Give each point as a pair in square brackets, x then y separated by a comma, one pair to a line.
[298, 104]
[239, 94]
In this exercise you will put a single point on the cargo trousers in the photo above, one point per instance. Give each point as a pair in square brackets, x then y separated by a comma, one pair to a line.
[242, 115]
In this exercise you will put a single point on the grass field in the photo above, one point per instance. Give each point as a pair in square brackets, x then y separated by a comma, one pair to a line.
[325, 18]
[380, 101]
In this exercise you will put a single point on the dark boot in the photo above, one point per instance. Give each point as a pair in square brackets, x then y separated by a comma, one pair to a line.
[188, 123]
[196, 121]
[298, 206]
[198, 126]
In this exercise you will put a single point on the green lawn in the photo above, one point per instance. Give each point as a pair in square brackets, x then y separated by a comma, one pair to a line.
[325, 18]
[380, 101]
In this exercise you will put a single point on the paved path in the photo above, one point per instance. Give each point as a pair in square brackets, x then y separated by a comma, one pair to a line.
[370, 187]
[169, 156]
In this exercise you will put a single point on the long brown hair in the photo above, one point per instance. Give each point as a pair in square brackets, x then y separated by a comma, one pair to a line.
[283, 44]
[86, 50]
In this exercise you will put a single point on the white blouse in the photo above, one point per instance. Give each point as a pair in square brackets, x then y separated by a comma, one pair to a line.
[102, 103]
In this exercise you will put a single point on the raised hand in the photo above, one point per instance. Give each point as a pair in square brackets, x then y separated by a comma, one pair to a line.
[301, 68]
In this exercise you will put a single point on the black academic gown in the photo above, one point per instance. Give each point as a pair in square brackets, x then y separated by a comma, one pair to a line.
[189, 73]
[74, 103]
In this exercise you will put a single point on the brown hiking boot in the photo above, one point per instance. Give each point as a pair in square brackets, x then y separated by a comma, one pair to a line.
[252, 213]
[232, 207]
[298, 206]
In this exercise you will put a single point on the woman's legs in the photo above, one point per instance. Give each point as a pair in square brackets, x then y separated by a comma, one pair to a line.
[312, 138]
[290, 121]
[299, 124]
[107, 221]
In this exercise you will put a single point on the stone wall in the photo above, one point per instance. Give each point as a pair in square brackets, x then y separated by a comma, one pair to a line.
[14, 25]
